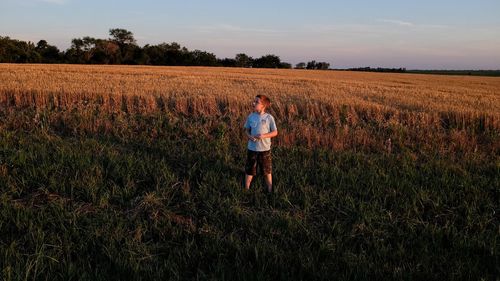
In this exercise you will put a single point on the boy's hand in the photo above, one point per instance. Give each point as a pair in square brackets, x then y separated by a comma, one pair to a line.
[252, 138]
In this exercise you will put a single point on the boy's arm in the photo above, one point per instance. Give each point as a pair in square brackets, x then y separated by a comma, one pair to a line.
[248, 133]
[268, 135]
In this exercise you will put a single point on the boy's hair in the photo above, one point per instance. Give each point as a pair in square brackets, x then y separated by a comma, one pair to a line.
[264, 99]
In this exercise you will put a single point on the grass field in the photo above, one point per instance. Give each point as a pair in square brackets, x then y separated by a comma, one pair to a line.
[134, 173]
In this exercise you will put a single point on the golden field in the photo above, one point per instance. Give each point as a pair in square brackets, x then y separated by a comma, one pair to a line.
[413, 92]
[333, 109]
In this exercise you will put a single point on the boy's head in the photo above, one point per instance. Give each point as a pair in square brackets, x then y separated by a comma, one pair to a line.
[261, 102]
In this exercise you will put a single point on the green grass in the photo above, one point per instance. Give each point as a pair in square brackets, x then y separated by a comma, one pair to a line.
[131, 206]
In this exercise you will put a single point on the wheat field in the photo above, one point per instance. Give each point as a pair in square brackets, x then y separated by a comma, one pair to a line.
[406, 92]
[331, 109]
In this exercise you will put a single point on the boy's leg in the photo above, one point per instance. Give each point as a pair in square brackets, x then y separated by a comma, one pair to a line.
[250, 168]
[248, 181]
[267, 168]
[269, 182]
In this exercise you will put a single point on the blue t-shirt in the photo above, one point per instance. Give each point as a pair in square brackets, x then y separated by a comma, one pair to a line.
[260, 124]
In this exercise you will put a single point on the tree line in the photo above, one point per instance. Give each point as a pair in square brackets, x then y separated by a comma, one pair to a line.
[379, 69]
[121, 48]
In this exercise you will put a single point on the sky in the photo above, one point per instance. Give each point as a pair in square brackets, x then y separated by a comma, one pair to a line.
[425, 34]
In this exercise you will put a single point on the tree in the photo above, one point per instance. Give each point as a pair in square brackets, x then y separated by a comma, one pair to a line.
[139, 55]
[203, 58]
[242, 60]
[318, 65]
[285, 65]
[42, 44]
[300, 65]
[154, 54]
[75, 53]
[16, 51]
[122, 36]
[268, 61]
[311, 65]
[227, 62]
[91, 50]
[171, 54]
[127, 44]
[322, 65]
[88, 48]
[112, 52]
[48, 53]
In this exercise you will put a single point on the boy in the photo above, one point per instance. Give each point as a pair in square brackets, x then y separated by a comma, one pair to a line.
[260, 128]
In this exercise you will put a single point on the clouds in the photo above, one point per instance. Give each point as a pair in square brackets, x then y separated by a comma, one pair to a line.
[402, 23]
[231, 28]
[396, 22]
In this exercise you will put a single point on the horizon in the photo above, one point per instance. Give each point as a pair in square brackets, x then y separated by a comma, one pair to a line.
[417, 36]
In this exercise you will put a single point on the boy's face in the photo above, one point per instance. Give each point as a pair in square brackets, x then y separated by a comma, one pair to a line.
[258, 106]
